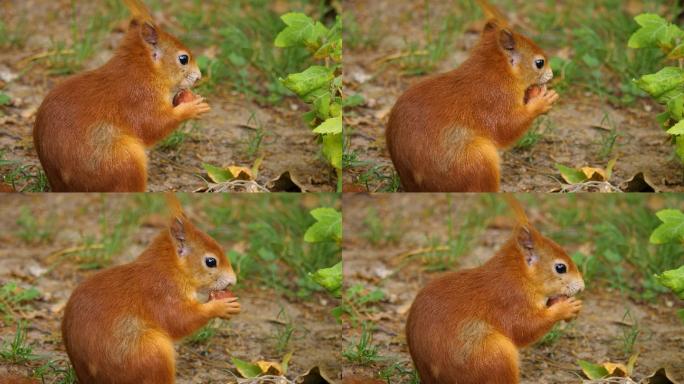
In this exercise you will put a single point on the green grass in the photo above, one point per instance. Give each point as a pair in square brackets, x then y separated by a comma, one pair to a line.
[18, 350]
[284, 332]
[378, 232]
[33, 230]
[174, 141]
[22, 177]
[362, 351]
[630, 333]
[400, 372]
[15, 300]
[256, 137]
[204, 334]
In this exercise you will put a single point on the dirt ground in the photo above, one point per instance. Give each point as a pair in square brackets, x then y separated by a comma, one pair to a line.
[596, 335]
[221, 137]
[572, 134]
[249, 336]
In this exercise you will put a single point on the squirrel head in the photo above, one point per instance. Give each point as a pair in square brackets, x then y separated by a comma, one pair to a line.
[547, 266]
[528, 62]
[201, 259]
[173, 64]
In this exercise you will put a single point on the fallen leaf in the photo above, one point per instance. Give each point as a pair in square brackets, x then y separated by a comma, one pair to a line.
[571, 175]
[246, 369]
[286, 182]
[217, 174]
[270, 367]
[638, 183]
[314, 376]
[594, 174]
[240, 173]
[592, 371]
[660, 376]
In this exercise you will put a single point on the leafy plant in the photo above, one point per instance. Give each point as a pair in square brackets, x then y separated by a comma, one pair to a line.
[667, 85]
[671, 230]
[18, 350]
[320, 86]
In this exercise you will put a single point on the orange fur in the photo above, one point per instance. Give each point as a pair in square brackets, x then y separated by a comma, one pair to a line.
[119, 324]
[92, 129]
[443, 132]
[465, 327]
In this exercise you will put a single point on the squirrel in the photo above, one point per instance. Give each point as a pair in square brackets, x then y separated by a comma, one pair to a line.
[92, 129]
[466, 326]
[444, 132]
[119, 324]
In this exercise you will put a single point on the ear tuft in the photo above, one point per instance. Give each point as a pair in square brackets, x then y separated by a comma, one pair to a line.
[149, 33]
[491, 25]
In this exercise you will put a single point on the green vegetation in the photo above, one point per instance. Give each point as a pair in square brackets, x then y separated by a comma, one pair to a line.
[22, 177]
[18, 350]
[15, 300]
[319, 85]
[363, 351]
[667, 85]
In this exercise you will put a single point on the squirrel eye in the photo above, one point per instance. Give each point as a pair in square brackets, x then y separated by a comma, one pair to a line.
[183, 59]
[539, 63]
[210, 262]
[561, 268]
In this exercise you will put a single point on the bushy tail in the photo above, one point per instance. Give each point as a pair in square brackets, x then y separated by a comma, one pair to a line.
[139, 10]
[518, 209]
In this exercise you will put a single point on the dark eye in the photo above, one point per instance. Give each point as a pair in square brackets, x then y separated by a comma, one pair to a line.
[183, 59]
[561, 268]
[210, 262]
[539, 63]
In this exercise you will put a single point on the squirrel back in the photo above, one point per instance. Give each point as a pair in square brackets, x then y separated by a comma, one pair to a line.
[92, 129]
[121, 322]
[443, 133]
[466, 326]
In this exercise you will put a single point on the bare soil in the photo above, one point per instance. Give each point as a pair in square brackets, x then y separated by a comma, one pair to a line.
[573, 133]
[597, 335]
[54, 271]
[221, 137]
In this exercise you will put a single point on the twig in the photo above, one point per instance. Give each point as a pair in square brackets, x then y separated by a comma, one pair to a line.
[69, 250]
[43, 55]
[587, 185]
[421, 251]
[400, 55]
[237, 186]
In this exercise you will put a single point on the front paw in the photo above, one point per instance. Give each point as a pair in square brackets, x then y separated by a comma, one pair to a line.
[191, 109]
[224, 308]
[542, 102]
[566, 309]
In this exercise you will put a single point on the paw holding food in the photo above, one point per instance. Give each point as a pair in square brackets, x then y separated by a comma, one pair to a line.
[184, 96]
[533, 91]
[218, 295]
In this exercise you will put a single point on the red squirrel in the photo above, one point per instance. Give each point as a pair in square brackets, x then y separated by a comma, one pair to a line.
[466, 326]
[120, 324]
[91, 131]
[444, 132]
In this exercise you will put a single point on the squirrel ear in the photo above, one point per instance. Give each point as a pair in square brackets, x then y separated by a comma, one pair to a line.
[526, 244]
[149, 33]
[507, 40]
[177, 230]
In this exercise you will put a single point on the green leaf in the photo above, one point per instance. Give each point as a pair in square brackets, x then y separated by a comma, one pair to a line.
[673, 279]
[679, 147]
[300, 30]
[322, 106]
[328, 226]
[353, 100]
[332, 125]
[593, 371]
[677, 129]
[4, 99]
[671, 229]
[676, 107]
[654, 32]
[246, 369]
[661, 82]
[217, 174]
[571, 175]
[662, 118]
[330, 279]
[312, 78]
[677, 53]
[332, 149]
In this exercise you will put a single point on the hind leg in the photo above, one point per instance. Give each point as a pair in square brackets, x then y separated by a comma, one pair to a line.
[494, 361]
